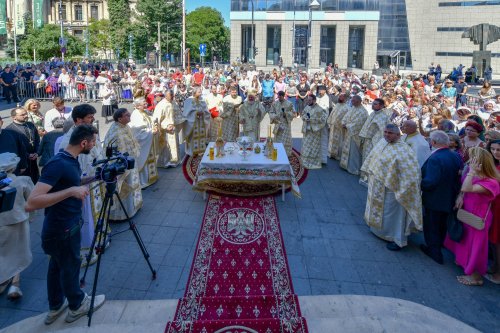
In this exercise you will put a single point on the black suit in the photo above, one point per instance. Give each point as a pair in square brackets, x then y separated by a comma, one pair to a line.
[440, 186]
[12, 143]
[31, 140]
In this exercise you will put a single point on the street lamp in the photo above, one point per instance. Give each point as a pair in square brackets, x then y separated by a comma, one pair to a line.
[252, 38]
[313, 5]
[130, 40]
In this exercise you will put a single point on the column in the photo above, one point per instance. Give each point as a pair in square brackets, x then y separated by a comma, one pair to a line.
[342, 43]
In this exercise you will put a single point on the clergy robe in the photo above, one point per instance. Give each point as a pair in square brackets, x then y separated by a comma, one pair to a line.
[142, 126]
[373, 130]
[196, 128]
[230, 117]
[324, 103]
[351, 149]
[214, 102]
[421, 147]
[337, 132]
[28, 133]
[12, 143]
[252, 114]
[394, 205]
[168, 114]
[311, 142]
[281, 115]
[128, 185]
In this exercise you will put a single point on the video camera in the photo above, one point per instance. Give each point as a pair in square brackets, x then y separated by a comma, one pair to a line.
[109, 171]
[7, 194]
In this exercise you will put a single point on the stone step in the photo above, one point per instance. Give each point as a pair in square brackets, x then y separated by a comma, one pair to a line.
[345, 313]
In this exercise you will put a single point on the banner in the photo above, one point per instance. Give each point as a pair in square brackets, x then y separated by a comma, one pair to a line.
[19, 11]
[3, 17]
[38, 13]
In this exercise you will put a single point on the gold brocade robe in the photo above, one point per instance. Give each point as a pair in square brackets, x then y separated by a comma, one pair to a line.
[353, 121]
[373, 130]
[393, 166]
[128, 185]
[214, 101]
[281, 115]
[336, 130]
[142, 126]
[230, 117]
[311, 142]
[168, 114]
[196, 128]
[252, 114]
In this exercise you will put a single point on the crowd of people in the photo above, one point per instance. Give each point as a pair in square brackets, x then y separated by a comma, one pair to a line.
[426, 157]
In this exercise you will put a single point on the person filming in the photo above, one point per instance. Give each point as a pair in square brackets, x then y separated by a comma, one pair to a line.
[61, 191]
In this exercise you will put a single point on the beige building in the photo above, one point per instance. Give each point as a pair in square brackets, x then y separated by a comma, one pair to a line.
[435, 31]
[347, 38]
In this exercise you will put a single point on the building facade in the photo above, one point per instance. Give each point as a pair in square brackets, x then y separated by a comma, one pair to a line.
[356, 33]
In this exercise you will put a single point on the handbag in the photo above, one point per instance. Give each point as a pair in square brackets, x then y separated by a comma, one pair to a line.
[48, 90]
[454, 227]
[473, 220]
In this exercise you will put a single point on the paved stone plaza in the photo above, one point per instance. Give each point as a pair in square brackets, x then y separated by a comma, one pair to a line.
[330, 251]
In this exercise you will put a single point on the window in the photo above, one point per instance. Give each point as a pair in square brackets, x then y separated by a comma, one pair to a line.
[442, 29]
[62, 12]
[470, 3]
[246, 43]
[327, 46]
[300, 54]
[78, 13]
[356, 47]
[273, 46]
[78, 33]
[94, 12]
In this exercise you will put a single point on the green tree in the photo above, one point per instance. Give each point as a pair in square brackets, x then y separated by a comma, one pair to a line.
[205, 25]
[145, 26]
[100, 38]
[46, 43]
[119, 27]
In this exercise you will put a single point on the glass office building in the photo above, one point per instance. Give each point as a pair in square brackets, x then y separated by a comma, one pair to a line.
[342, 31]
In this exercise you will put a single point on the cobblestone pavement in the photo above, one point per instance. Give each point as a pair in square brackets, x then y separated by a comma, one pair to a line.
[330, 251]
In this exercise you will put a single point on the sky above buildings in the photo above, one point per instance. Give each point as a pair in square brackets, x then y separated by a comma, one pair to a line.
[222, 6]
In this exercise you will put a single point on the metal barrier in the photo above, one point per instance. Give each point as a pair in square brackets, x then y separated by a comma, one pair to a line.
[71, 92]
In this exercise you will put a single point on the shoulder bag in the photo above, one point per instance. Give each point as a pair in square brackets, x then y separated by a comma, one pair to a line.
[473, 220]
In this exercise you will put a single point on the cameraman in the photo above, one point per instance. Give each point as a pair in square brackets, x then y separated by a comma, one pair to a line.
[61, 192]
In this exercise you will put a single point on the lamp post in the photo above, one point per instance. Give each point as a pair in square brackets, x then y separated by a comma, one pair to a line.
[252, 37]
[183, 34]
[130, 40]
[62, 26]
[313, 5]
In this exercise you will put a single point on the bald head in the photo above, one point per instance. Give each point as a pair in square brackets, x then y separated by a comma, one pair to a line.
[409, 127]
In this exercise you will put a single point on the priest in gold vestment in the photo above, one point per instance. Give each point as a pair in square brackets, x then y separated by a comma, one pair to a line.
[168, 116]
[197, 125]
[352, 124]
[394, 204]
[337, 132]
[128, 185]
[214, 105]
[281, 115]
[144, 131]
[314, 120]
[230, 115]
[251, 114]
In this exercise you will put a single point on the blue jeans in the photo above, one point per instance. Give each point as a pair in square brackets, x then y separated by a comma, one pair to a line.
[63, 276]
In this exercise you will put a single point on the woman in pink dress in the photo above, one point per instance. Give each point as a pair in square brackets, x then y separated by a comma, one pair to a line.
[279, 85]
[479, 189]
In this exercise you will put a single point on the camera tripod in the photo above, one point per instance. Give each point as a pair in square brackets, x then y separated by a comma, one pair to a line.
[99, 240]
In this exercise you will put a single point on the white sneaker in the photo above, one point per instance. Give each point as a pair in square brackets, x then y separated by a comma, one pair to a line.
[84, 308]
[54, 314]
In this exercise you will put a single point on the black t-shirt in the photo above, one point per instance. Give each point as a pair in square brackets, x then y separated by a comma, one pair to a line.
[8, 78]
[61, 172]
[27, 75]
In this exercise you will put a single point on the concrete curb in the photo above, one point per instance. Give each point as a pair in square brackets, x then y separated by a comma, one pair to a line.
[341, 313]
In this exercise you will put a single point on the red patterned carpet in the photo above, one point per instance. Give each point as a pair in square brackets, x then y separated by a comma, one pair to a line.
[239, 280]
[190, 166]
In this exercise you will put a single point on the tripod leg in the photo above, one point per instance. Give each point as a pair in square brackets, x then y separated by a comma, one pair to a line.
[101, 248]
[98, 230]
[138, 238]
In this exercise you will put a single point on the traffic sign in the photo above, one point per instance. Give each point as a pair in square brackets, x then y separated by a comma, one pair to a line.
[203, 50]
[63, 49]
